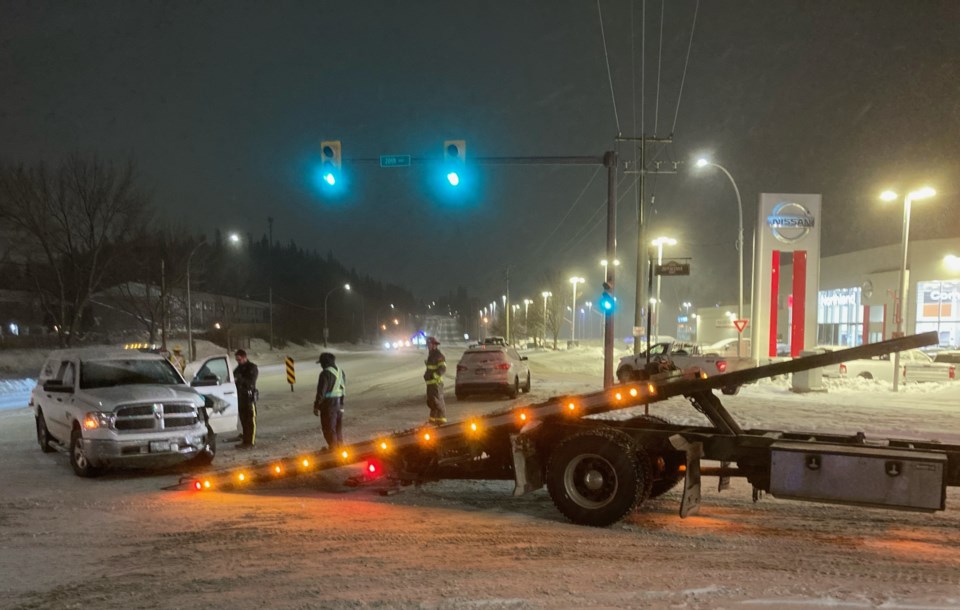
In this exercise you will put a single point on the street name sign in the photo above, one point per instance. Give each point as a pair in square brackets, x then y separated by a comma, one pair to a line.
[394, 160]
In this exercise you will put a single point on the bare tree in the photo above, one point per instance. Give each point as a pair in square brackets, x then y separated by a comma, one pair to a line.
[70, 223]
[555, 284]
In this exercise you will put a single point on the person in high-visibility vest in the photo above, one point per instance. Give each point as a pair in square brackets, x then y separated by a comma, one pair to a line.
[328, 405]
[436, 366]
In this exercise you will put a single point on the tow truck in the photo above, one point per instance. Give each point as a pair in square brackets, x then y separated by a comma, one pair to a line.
[598, 471]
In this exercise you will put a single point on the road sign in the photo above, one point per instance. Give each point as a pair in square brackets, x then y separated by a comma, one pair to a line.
[291, 373]
[673, 268]
[740, 324]
[394, 160]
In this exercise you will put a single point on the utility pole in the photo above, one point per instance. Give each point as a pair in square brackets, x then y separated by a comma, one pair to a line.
[610, 161]
[506, 306]
[642, 171]
[270, 274]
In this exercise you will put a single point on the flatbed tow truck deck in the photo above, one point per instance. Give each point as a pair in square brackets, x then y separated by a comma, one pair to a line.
[598, 471]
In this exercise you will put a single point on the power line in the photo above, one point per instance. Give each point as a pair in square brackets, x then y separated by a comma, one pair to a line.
[562, 220]
[656, 114]
[606, 57]
[693, 28]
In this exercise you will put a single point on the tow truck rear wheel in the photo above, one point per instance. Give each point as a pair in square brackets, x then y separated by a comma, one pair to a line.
[82, 466]
[597, 477]
[43, 435]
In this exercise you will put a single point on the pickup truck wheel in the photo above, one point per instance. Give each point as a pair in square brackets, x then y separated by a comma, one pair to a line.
[731, 390]
[666, 460]
[43, 435]
[78, 459]
[597, 477]
[209, 451]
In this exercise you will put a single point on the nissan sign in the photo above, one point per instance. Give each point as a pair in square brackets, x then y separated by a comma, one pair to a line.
[790, 222]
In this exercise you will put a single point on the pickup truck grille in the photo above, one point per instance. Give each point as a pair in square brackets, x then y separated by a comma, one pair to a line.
[156, 416]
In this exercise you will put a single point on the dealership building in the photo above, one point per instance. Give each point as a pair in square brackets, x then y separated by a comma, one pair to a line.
[802, 299]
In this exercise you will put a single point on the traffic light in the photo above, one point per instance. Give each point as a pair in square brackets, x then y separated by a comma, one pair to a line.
[331, 161]
[454, 157]
[607, 302]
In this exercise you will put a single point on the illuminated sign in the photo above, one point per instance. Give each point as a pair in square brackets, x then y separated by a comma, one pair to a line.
[838, 297]
[790, 222]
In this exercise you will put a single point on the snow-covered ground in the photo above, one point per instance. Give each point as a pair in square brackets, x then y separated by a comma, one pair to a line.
[120, 541]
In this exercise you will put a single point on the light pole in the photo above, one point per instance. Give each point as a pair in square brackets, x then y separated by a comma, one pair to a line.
[326, 330]
[545, 294]
[190, 351]
[659, 243]
[589, 306]
[704, 163]
[922, 193]
[573, 316]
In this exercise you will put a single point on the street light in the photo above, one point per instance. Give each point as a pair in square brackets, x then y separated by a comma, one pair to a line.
[545, 294]
[660, 242]
[923, 193]
[703, 163]
[573, 317]
[191, 353]
[951, 262]
[326, 330]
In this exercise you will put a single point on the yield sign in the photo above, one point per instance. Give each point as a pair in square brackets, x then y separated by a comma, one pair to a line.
[740, 324]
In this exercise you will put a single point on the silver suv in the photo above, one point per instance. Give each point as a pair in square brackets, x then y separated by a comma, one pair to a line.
[492, 367]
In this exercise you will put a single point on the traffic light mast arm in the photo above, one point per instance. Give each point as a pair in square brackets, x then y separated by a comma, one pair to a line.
[499, 160]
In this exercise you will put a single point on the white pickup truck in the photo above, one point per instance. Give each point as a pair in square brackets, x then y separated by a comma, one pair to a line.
[111, 407]
[915, 367]
[688, 357]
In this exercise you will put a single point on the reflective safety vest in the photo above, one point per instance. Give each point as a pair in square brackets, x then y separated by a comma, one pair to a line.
[339, 387]
[433, 371]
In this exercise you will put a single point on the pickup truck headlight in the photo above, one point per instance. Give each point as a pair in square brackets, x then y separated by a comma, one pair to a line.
[97, 420]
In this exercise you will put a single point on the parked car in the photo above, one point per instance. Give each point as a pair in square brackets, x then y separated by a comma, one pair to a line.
[129, 408]
[492, 367]
[688, 357]
[915, 367]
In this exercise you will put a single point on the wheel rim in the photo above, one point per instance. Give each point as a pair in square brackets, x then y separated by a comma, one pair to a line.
[78, 456]
[590, 481]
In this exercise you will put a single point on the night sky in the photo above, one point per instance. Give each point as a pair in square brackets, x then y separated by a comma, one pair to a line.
[223, 105]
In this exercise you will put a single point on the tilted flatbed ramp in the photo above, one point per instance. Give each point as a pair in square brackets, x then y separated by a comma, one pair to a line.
[569, 407]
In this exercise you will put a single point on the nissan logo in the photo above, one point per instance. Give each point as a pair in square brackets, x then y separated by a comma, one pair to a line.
[790, 222]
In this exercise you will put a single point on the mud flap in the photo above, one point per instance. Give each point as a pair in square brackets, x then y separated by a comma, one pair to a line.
[690, 504]
[527, 469]
[724, 482]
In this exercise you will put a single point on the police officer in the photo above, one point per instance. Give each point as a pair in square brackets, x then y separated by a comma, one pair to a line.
[331, 389]
[246, 375]
[436, 367]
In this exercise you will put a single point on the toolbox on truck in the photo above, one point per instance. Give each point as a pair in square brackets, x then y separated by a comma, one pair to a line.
[866, 476]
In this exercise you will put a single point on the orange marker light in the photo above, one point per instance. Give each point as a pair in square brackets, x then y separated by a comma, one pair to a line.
[383, 445]
[426, 436]
[618, 396]
[242, 477]
[473, 426]
[306, 463]
[634, 392]
[277, 469]
[651, 388]
[344, 455]
[523, 416]
[206, 484]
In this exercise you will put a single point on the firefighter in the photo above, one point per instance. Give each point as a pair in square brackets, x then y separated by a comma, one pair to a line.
[246, 375]
[433, 375]
[177, 359]
[328, 405]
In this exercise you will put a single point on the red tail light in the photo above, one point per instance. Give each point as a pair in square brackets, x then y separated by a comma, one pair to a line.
[722, 366]
[504, 366]
[461, 367]
[953, 372]
[843, 369]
